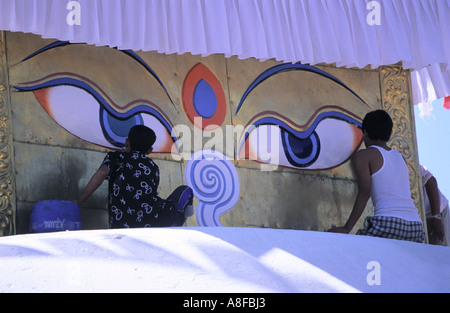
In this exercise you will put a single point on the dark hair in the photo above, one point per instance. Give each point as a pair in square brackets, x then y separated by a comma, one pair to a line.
[378, 125]
[141, 138]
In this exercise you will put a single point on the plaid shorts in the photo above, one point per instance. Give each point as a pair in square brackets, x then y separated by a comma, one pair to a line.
[393, 228]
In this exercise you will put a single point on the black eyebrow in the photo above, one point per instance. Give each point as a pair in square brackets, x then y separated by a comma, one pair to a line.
[129, 53]
[291, 67]
[46, 48]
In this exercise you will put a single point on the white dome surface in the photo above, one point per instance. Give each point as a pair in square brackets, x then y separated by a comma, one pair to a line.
[219, 259]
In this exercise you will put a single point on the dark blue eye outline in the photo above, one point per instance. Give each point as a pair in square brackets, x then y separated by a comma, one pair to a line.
[307, 135]
[105, 107]
[310, 145]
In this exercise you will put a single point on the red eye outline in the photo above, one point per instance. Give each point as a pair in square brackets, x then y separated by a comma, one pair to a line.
[197, 73]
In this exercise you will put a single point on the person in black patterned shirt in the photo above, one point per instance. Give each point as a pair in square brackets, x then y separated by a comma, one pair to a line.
[133, 177]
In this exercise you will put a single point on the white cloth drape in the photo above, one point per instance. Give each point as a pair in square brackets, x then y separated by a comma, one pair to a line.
[430, 83]
[415, 32]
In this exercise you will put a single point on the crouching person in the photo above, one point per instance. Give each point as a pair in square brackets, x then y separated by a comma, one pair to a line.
[133, 178]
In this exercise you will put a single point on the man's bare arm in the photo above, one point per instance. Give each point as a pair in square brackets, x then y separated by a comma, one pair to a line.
[93, 184]
[361, 162]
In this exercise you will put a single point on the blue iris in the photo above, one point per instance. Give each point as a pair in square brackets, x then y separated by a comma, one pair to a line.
[116, 130]
[300, 152]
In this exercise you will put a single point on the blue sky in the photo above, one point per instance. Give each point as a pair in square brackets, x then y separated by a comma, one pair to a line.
[433, 140]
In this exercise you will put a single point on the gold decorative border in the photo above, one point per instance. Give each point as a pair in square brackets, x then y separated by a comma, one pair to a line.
[7, 194]
[396, 100]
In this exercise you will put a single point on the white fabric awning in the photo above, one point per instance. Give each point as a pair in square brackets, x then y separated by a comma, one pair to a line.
[351, 33]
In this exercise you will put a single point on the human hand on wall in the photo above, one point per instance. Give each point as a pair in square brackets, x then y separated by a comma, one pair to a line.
[341, 229]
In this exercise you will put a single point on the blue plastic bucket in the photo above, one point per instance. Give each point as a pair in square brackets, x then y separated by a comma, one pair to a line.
[55, 215]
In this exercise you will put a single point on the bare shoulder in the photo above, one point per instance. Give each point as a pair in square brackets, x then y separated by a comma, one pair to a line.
[370, 158]
[366, 154]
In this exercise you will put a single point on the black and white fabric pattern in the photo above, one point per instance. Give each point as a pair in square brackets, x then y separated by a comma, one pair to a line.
[393, 228]
[133, 184]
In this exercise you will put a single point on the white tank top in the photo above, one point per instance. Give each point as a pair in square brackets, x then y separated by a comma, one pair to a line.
[391, 194]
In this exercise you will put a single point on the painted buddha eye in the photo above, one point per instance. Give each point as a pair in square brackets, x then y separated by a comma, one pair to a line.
[82, 107]
[328, 142]
[328, 137]
[87, 114]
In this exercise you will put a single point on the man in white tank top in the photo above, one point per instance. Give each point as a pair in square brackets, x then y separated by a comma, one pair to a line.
[383, 175]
